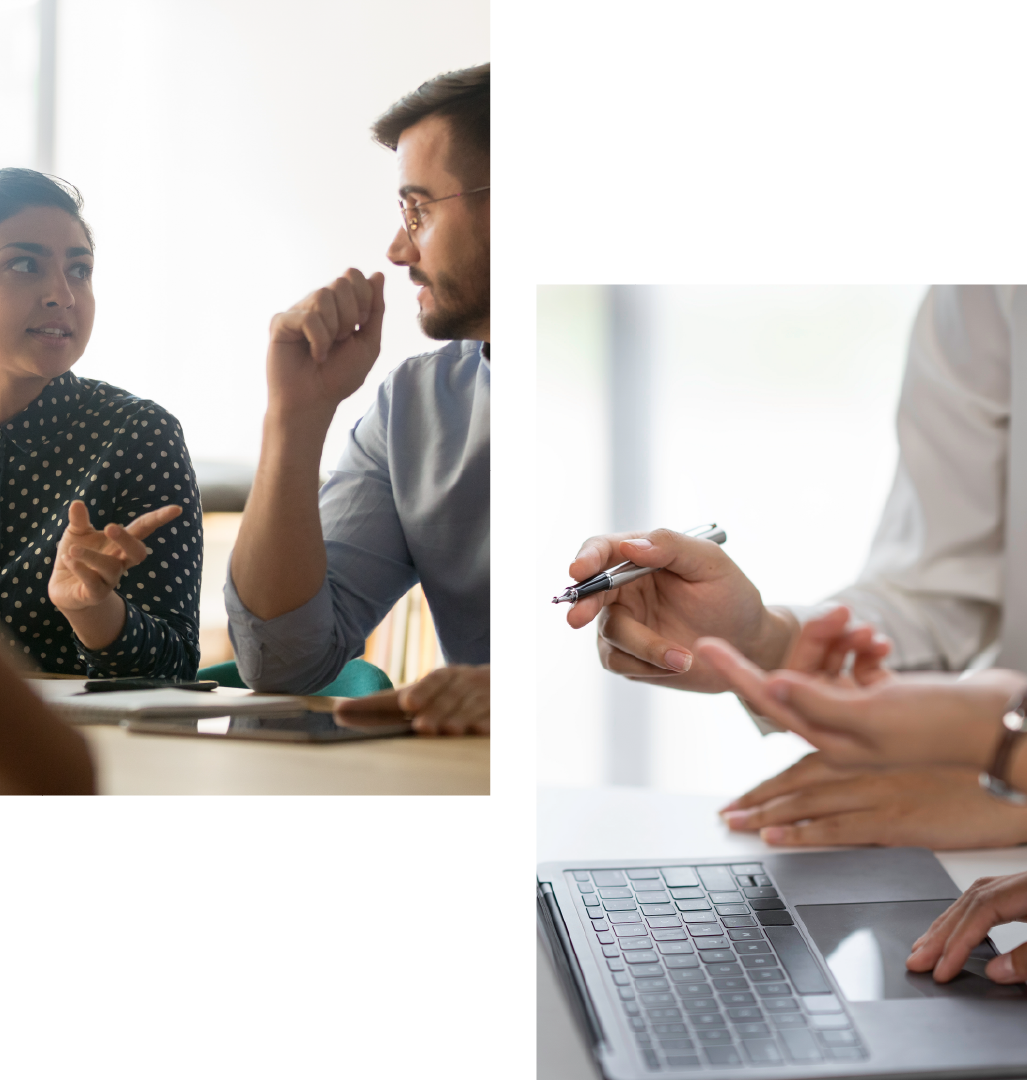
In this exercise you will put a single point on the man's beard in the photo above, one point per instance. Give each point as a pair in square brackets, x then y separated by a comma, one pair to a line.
[460, 306]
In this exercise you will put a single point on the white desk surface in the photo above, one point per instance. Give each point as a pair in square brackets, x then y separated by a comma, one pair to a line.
[634, 823]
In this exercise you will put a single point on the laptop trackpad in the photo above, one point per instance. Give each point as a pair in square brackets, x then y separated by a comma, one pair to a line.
[866, 946]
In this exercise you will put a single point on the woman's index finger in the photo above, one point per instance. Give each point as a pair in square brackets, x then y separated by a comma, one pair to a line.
[148, 523]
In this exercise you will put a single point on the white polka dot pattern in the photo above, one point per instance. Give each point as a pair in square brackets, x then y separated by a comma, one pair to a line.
[122, 455]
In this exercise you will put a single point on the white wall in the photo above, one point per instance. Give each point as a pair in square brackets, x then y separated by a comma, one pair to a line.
[773, 417]
[223, 151]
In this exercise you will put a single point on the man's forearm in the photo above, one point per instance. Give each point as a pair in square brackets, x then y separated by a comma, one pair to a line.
[278, 563]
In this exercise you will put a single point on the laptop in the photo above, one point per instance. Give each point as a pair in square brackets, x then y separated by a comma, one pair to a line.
[792, 965]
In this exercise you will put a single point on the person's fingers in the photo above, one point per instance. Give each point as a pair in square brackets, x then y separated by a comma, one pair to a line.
[597, 553]
[812, 769]
[622, 663]
[858, 827]
[95, 585]
[817, 800]
[348, 292]
[842, 708]
[985, 904]
[78, 518]
[301, 323]
[371, 319]
[109, 567]
[814, 638]
[132, 549]
[924, 952]
[145, 524]
[362, 294]
[1010, 967]
[446, 713]
[618, 627]
[419, 694]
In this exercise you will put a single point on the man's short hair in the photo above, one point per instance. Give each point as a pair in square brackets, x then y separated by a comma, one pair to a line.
[462, 97]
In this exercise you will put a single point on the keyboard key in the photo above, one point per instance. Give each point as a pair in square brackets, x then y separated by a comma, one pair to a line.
[716, 878]
[695, 990]
[647, 897]
[735, 920]
[780, 1004]
[717, 956]
[600, 926]
[837, 1038]
[650, 1058]
[713, 929]
[681, 961]
[658, 999]
[707, 1020]
[762, 1052]
[715, 1036]
[627, 993]
[687, 976]
[631, 1008]
[645, 956]
[800, 1045]
[585, 888]
[699, 917]
[688, 894]
[616, 894]
[595, 914]
[644, 971]
[622, 916]
[762, 879]
[821, 1003]
[656, 909]
[581, 875]
[630, 944]
[591, 900]
[773, 989]
[719, 943]
[733, 897]
[642, 1038]
[759, 961]
[623, 930]
[761, 892]
[700, 1005]
[606, 939]
[670, 935]
[743, 932]
[637, 1023]
[735, 909]
[675, 948]
[744, 880]
[723, 1055]
[692, 905]
[680, 1061]
[748, 1013]
[646, 986]
[767, 975]
[670, 1045]
[608, 877]
[723, 969]
[643, 875]
[752, 1031]
[621, 978]
[751, 948]
[619, 905]
[679, 876]
[747, 868]
[737, 997]
[774, 918]
[663, 922]
[664, 1014]
[615, 965]
[844, 1053]
[789, 1020]
[669, 1029]
[611, 950]
[797, 960]
[766, 905]
[824, 1021]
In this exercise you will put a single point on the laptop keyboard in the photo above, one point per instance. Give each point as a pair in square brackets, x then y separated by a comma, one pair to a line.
[710, 969]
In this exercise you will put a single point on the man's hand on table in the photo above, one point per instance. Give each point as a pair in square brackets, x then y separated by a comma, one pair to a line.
[452, 700]
[814, 803]
[647, 627]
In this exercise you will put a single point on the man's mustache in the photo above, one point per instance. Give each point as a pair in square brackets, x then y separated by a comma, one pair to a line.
[419, 278]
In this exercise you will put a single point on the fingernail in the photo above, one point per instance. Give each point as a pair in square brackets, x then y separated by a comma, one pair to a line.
[640, 542]
[735, 819]
[732, 805]
[780, 692]
[772, 834]
[1001, 969]
[679, 661]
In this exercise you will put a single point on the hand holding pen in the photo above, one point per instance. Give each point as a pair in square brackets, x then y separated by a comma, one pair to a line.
[647, 625]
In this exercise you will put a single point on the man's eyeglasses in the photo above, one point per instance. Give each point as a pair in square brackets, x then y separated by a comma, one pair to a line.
[412, 214]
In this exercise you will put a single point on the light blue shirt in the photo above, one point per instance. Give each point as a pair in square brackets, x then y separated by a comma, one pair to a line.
[408, 502]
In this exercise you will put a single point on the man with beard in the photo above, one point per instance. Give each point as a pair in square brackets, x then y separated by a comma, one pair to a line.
[314, 572]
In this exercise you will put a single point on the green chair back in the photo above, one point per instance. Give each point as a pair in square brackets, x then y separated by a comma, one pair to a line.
[357, 679]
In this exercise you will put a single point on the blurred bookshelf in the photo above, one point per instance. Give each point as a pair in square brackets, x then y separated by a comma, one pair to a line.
[403, 645]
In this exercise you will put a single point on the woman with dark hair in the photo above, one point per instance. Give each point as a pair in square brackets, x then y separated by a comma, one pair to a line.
[87, 471]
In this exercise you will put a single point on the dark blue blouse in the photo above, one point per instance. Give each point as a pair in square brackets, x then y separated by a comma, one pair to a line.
[123, 455]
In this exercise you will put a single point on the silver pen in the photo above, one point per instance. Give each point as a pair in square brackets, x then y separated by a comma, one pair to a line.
[628, 571]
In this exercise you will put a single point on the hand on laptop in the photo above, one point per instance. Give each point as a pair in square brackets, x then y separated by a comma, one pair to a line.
[814, 803]
[988, 902]
[322, 348]
[452, 700]
[88, 566]
[895, 720]
[647, 628]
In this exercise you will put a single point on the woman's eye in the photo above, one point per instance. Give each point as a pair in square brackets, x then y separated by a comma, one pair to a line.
[24, 265]
[81, 271]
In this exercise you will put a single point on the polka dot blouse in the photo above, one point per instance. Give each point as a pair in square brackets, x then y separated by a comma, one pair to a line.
[123, 456]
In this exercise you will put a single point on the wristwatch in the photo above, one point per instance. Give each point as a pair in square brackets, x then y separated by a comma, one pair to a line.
[994, 780]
